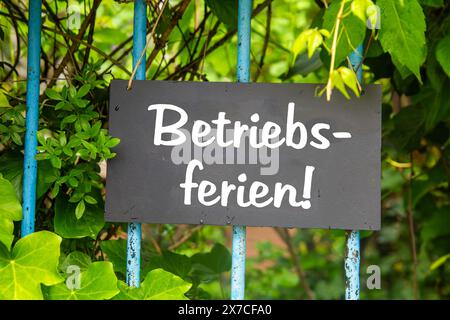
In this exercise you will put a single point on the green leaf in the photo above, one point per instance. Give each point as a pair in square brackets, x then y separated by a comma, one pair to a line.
[172, 262]
[98, 282]
[73, 182]
[210, 265]
[10, 207]
[314, 41]
[83, 90]
[32, 262]
[338, 82]
[158, 285]
[79, 210]
[303, 65]
[349, 78]
[225, 11]
[11, 166]
[52, 94]
[352, 29]
[443, 54]
[6, 232]
[439, 262]
[116, 252]
[309, 39]
[10, 210]
[47, 174]
[4, 103]
[408, 127]
[436, 225]
[68, 226]
[299, 45]
[75, 258]
[69, 119]
[112, 142]
[90, 199]
[55, 161]
[402, 34]
[432, 3]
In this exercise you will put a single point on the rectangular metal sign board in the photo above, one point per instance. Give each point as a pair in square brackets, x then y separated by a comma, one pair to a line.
[253, 154]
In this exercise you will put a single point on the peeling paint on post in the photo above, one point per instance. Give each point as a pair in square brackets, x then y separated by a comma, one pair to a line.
[352, 266]
[238, 263]
[352, 252]
[134, 229]
[32, 117]
[243, 75]
[134, 254]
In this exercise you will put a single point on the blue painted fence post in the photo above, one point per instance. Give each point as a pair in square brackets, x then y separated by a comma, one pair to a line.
[352, 256]
[243, 75]
[133, 276]
[32, 117]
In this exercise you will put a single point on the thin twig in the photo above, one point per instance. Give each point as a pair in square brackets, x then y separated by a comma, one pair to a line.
[146, 45]
[185, 237]
[333, 49]
[160, 43]
[412, 236]
[217, 44]
[286, 237]
[265, 44]
[76, 44]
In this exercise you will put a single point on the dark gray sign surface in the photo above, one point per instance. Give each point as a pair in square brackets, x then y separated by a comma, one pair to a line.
[244, 154]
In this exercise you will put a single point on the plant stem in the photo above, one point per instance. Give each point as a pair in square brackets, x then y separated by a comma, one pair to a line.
[333, 49]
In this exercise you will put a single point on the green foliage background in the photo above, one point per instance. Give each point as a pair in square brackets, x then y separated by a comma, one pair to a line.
[292, 41]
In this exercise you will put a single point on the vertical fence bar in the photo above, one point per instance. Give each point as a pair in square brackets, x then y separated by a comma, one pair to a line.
[243, 75]
[134, 229]
[32, 117]
[352, 256]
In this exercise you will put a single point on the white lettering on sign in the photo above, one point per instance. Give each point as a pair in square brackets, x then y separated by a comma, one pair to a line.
[210, 140]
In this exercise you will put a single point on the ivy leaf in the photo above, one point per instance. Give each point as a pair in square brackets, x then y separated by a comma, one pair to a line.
[443, 53]
[76, 258]
[175, 263]
[32, 262]
[10, 207]
[68, 226]
[6, 232]
[98, 282]
[11, 166]
[116, 251]
[402, 34]
[210, 265]
[10, 210]
[158, 285]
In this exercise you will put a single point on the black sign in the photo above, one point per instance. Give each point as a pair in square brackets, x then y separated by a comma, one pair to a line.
[244, 154]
